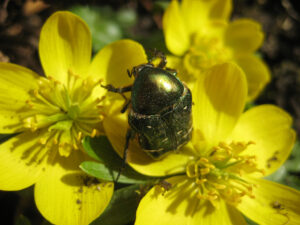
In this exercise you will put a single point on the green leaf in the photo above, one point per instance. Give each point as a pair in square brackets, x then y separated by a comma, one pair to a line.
[122, 207]
[293, 163]
[95, 147]
[99, 148]
[110, 163]
[155, 40]
[103, 172]
[279, 175]
[161, 5]
[126, 17]
[250, 222]
[46, 222]
[106, 25]
[249, 105]
[288, 173]
[293, 181]
[22, 220]
[102, 24]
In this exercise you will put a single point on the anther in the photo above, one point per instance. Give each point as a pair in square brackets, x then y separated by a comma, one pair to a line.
[101, 117]
[33, 128]
[42, 141]
[35, 92]
[201, 181]
[219, 186]
[94, 133]
[75, 146]
[204, 160]
[55, 141]
[251, 143]
[204, 171]
[56, 82]
[262, 171]
[226, 147]
[29, 103]
[98, 100]
[79, 136]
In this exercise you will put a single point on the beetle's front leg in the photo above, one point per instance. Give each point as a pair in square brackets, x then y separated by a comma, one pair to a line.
[158, 54]
[120, 91]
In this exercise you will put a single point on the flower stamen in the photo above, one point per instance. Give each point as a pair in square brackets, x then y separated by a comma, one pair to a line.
[66, 112]
[220, 174]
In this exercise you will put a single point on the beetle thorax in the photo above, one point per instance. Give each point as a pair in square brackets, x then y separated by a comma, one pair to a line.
[154, 90]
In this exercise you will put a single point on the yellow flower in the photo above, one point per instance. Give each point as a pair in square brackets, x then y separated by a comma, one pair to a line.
[50, 115]
[199, 35]
[217, 177]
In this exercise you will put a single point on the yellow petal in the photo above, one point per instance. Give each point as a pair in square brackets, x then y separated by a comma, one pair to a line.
[219, 99]
[221, 9]
[65, 45]
[113, 61]
[175, 30]
[179, 205]
[22, 161]
[195, 14]
[15, 83]
[198, 13]
[176, 63]
[244, 36]
[65, 195]
[257, 74]
[269, 127]
[273, 204]
[115, 126]
[217, 29]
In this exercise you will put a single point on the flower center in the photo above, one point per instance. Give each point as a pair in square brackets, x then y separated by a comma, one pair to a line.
[68, 111]
[220, 173]
[204, 53]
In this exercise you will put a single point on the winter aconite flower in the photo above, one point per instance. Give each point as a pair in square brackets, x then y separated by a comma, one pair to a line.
[217, 177]
[50, 115]
[199, 35]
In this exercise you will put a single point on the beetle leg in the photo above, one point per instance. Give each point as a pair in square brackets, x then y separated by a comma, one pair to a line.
[129, 73]
[163, 61]
[125, 107]
[158, 54]
[129, 136]
[121, 90]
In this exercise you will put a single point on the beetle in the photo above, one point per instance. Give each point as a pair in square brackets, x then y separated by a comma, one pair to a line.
[160, 108]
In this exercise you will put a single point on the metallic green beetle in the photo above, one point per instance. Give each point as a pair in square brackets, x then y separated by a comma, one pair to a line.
[160, 109]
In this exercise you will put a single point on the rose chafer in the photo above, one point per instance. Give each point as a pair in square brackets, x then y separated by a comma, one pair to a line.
[160, 109]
